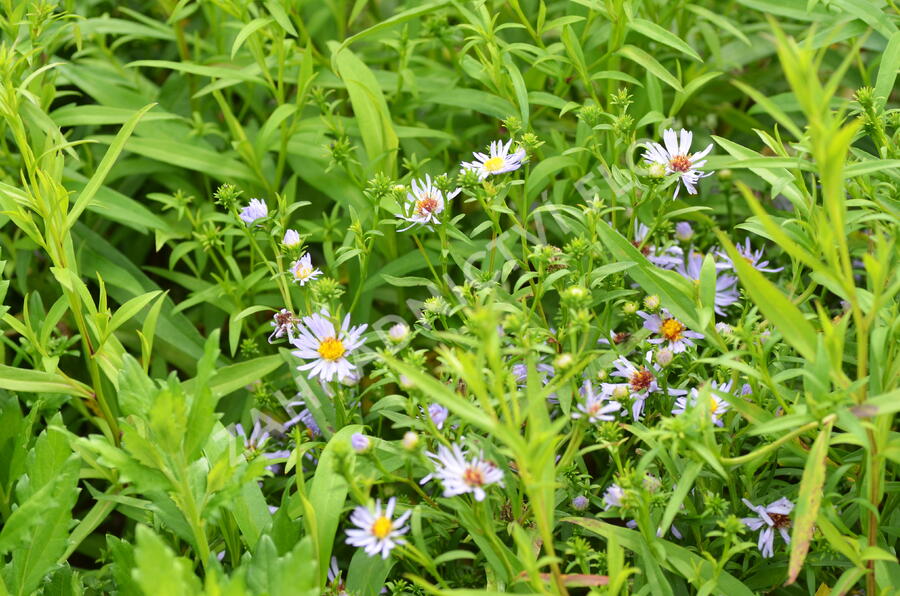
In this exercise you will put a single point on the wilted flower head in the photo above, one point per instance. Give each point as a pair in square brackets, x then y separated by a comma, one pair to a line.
[677, 159]
[460, 475]
[774, 516]
[255, 210]
[499, 161]
[375, 531]
[318, 340]
[284, 323]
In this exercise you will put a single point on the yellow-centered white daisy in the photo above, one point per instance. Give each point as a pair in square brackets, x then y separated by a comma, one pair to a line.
[327, 348]
[375, 531]
[303, 271]
[677, 159]
[424, 204]
[498, 161]
[460, 475]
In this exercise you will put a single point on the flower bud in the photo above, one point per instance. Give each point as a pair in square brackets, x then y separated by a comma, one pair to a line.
[684, 231]
[291, 239]
[651, 302]
[410, 440]
[580, 503]
[360, 442]
[629, 308]
[398, 333]
[563, 361]
[656, 170]
[664, 357]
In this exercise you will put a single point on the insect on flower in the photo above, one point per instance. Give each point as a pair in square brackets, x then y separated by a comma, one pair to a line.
[677, 159]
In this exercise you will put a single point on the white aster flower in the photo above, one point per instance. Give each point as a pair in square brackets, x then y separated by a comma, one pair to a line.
[291, 238]
[596, 405]
[303, 270]
[327, 347]
[717, 405]
[677, 159]
[256, 209]
[613, 496]
[774, 516]
[459, 475]
[424, 203]
[670, 330]
[499, 161]
[375, 531]
[640, 382]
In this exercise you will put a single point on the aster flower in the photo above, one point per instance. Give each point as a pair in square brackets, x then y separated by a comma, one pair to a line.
[255, 443]
[360, 442]
[596, 405]
[754, 257]
[670, 330]
[375, 531]
[438, 415]
[545, 373]
[499, 161]
[327, 347]
[255, 210]
[774, 516]
[284, 323]
[664, 258]
[683, 231]
[640, 382]
[726, 285]
[677, 159]
[460, 475]
[291, 238]
[303, 270]
[424, 203]
[717, 405]
[580, 503]
[305, 416]
[613, 496]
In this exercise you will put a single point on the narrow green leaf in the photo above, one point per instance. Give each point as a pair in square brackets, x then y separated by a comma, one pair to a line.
[654, 32]
[650, 64]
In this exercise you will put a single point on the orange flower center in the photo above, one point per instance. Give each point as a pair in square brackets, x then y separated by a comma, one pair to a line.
[473, 476]
[426, 206]
[680, 163]
[671, 329]
[331, 349]
[382, 527]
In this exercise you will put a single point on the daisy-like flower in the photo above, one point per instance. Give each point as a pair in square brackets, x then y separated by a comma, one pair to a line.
[640, 382]
[670, 330]
[460, 475]
[677, 159]
[438, 415]
[284, 323]
[499, 161]
[424, 204]
[291, 238]
[726, 285]
[255, 210]
[717, 405]
[375, 531]
[255, 443]
[596, 405]
[327, 347]
[303, 270]
[754, 257]
[665, 258]
[774, 516]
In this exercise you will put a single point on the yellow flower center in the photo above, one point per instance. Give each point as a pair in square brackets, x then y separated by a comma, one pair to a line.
[680, 163]
[473, 477]
[494, 164]
[671, 329]
[331, 349]
[713, 405]
[382, 527]
[301, 272]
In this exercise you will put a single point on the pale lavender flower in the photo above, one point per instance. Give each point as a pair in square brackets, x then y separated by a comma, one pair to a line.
[375, 531]
[726, 285]
[640, 382]
[597, 405]
[318, 340]
[670, 330]
[753, 257]
[255, 443]
[424, 203]
[545, 373]
[305, 416]
[774, 516]
[613, 496]
[664, 258]
[580, 503]
[255, 210]
[498, 161]
[291, 238]
[460, 475]
[303, 271]
[717, 405]
[360, 442]
[683, 231]
[438, 414]
[677, 159]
